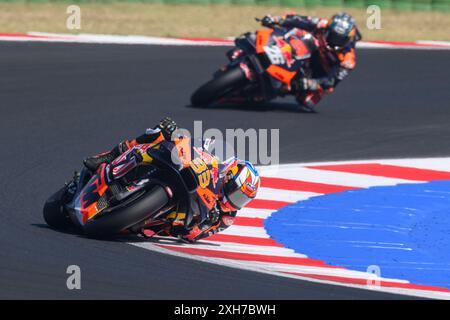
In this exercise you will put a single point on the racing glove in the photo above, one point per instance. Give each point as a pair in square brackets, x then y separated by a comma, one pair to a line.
[269, 21]
[167, 127]
[217, 222]
[199, 231]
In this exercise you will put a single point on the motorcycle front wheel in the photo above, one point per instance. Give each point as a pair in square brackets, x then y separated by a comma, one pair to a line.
[224, 84]
[126, 216]
[54, 213]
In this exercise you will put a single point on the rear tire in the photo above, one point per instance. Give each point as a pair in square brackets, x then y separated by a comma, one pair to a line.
[54, 213]
[123, 218]
[219, 87]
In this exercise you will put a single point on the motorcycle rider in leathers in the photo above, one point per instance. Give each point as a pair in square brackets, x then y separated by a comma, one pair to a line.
[333, 58]
[236, 184]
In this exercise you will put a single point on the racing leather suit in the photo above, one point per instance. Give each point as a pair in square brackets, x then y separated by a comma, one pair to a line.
[328, 66]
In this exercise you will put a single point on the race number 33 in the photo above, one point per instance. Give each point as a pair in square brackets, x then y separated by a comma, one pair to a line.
[201, 169]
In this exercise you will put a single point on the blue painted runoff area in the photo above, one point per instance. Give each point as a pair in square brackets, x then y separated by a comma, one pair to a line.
[403, 229]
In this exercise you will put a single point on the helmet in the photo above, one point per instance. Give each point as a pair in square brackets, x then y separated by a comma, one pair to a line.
[241, 183]
[341, 30]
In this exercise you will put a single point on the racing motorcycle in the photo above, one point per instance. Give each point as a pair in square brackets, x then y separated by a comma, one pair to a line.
[261, 67]
[136, 191]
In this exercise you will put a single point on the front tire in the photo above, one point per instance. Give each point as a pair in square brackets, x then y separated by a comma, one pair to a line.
[54, 213]
[219, 87]
[123, 218]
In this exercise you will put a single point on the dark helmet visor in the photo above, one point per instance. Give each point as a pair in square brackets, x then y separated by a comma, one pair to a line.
[337, 40]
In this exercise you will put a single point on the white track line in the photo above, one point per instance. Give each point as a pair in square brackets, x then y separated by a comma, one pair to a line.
[256, 232]
[148, 40]
[243, 248]
[296, 172]
[239, 265]
[282, 195]
[332, 177]
[439, 164]
[255, 213]
[274, 169]
[280, 267]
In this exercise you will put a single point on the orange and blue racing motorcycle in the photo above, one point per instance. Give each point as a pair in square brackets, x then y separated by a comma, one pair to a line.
[155, 179]
[261, 67]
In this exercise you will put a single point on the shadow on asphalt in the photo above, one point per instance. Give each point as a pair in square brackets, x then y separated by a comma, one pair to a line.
[122, 238]
[266, 107]
[115, 238]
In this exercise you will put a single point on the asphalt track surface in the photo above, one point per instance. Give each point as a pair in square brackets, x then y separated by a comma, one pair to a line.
[61, 102]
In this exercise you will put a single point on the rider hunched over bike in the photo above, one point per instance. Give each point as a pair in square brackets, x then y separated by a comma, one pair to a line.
[333, 58]
[237, 184]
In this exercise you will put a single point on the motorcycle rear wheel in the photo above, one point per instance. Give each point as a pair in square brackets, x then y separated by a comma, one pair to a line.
[219, 87]
[124, 217]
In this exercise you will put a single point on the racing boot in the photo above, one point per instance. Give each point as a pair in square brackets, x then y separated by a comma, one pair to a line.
[92, 163]
[308, 100]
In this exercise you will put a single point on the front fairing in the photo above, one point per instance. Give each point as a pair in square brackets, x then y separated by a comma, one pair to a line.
[89, 199]
[84, 204]
[277, 55]
[169, 154]
[288, 48]
[246, 42]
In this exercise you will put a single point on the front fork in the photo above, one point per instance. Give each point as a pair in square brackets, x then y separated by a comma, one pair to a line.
[235, 56]
[249, 74]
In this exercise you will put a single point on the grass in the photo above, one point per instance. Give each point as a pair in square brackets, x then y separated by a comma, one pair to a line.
[205, 21]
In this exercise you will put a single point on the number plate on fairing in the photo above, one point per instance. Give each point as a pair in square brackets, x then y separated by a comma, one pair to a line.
[275, 55]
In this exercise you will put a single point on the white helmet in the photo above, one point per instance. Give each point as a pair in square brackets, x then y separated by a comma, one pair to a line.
[241, 184]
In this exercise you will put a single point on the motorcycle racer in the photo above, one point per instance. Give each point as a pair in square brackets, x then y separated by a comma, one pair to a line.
[214, 205]
[334, 58]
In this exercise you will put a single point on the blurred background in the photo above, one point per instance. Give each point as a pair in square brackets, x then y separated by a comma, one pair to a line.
[401, 20]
